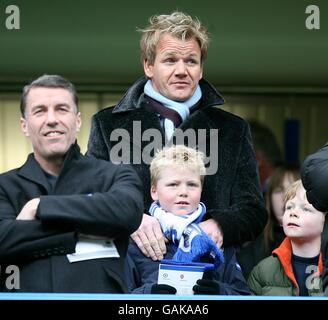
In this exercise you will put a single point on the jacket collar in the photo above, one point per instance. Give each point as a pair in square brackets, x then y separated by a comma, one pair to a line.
[284, 253]
[133, 97]
[32, 170]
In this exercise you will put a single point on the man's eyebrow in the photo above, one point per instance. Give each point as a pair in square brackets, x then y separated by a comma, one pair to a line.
[170, 53]
[62, 104]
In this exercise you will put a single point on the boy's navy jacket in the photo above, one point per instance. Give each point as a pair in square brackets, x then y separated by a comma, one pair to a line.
[142, 272]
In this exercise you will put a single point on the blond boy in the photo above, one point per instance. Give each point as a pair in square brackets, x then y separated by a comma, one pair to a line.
[177, 176]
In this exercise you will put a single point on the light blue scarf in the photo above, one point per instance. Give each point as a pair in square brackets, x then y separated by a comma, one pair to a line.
[184, 231]
[182, 108]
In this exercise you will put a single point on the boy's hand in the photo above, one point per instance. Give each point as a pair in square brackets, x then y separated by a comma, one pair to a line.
[213, 230]
[163, 289]
[206, 286]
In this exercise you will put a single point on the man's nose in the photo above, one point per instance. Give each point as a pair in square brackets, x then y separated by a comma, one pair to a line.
[51, 117]
[180, 68]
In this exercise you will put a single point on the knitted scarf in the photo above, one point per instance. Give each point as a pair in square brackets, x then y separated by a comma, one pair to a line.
[193, 243]
[182, 108]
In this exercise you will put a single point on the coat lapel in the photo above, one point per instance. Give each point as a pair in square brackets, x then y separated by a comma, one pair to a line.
[31, 171]
[142, 124]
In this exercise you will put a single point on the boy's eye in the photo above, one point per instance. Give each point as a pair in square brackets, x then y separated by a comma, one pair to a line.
[172, 184]
[192, 184]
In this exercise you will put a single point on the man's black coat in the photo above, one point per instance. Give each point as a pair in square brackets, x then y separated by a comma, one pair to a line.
[90, 196]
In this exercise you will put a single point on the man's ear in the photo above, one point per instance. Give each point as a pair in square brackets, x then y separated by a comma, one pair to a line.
[153, 193]
[148, 68]
[201, 74]
[24, 127]
[78, 122]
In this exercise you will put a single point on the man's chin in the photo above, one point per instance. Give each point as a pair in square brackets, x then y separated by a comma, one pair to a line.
[181, 98]
[56, 153]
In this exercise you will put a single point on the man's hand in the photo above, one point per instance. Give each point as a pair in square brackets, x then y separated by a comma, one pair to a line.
[150, 238]
[29, 210]
[213, 230]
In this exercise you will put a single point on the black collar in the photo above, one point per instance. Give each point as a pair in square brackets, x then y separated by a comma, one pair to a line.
[32, 170]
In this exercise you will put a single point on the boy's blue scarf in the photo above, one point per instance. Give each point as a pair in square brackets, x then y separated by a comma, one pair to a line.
[183, 230]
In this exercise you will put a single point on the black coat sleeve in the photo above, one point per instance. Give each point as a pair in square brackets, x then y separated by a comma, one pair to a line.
[314, 174]
[97, 147]
[116, 212]
[22, 240]
[246, 216]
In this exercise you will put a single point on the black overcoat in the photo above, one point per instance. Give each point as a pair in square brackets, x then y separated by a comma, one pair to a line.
[232, 195]
[91, 197]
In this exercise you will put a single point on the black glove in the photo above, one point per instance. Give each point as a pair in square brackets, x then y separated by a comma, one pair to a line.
[162, 289]
[206, 286]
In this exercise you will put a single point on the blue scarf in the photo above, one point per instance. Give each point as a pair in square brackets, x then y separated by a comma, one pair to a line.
[193, 243]
[182, 108]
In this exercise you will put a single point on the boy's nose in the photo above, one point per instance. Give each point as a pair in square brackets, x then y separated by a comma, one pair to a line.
[294, 213]
[183, 191]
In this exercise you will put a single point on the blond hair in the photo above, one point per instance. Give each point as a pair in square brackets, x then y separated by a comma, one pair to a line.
[177, 156]
[179, 25]
[292, 190]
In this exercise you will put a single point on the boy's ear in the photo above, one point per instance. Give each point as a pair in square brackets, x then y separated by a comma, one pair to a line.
[153, 193]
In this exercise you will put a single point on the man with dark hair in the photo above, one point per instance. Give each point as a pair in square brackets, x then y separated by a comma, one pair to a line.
[65, 219]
